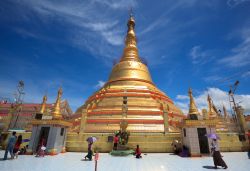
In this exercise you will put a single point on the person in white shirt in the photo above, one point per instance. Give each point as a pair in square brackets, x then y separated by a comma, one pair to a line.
[218, 161]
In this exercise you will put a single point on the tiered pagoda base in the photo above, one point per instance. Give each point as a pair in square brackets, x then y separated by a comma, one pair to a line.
[149, 143]
[158, 143]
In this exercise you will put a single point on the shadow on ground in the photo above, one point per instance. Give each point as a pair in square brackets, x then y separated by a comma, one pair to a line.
[209, 167]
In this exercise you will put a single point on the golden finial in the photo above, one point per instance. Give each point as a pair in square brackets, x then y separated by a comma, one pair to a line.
[130, 51]
[212, 111]
[43, 106]
[192, 106]
[57, 113]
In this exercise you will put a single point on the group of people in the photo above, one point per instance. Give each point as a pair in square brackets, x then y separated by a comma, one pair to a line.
[13, 146]
[137, 152]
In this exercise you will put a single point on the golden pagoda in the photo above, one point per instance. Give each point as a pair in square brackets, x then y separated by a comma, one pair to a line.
[212, 110]
[43, 105]
[193, 111]
[56, 113]
[130, 96]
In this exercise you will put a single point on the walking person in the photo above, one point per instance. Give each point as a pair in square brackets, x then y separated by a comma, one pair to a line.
[218, 161]
[17, 146]
[90, 152]
[10, 146]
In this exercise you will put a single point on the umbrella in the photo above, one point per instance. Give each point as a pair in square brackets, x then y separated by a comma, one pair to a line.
[213, 136]
[25, 140]
[91, 139]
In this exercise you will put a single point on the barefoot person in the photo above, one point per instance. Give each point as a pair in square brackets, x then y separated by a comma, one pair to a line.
[90, 152]
[17, 145]
[218, 161]
[137, 152]
[10, 146]
[116, 140]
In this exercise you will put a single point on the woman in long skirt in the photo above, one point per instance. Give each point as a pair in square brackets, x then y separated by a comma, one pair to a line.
[90, 152]
[218, 161]
[17, 146]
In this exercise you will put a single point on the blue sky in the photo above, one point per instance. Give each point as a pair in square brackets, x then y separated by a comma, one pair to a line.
[200, 44]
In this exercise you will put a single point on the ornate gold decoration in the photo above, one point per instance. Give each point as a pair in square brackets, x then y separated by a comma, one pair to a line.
[192, 106]
[43, 106]
[212, 111]
[143, 111]
[57, 113]
[51, 122]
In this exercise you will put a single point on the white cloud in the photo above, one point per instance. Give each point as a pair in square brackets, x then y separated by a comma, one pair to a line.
[240, 54]
[246, 74]
[212, 78]
[90, 29]
[100, 84]
[219, 98]
[182, 97]
[121, 4]
[233, 3]
[200, 56]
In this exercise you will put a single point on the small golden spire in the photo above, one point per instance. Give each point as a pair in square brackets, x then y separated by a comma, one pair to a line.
[43, 105]
[212, 111]
[130, 51]
[57, 113]
[192, 106]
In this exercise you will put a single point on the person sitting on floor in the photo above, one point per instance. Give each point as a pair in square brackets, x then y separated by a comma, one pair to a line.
[138, 152]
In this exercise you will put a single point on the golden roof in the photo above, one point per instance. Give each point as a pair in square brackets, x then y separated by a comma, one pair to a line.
[43, 106]
[56, 113]
[147, 109]
[212, 111]
[192, 106]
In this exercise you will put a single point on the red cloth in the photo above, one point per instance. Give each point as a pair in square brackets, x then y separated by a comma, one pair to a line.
[17, 145]
[116, 139]
[137, 151]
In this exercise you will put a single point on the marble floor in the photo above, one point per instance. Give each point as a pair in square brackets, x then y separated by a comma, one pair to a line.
[236, 161]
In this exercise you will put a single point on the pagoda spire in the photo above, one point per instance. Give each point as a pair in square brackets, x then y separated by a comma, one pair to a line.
[212, 111]
[192, 106]
[57, 113]
[130, 52]
[43, 105]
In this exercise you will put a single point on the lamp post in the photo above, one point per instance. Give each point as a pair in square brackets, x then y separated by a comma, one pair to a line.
[238, 111]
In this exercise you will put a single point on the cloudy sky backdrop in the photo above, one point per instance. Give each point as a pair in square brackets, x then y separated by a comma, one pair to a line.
[200, 44]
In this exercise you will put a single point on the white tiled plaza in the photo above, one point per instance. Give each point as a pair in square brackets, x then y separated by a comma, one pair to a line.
[236, 161]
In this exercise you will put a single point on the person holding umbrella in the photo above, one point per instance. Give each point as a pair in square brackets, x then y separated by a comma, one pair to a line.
[217, 158]
[90, 152]
[90, 141]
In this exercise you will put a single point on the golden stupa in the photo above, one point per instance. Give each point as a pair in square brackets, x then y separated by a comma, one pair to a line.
[129, 97]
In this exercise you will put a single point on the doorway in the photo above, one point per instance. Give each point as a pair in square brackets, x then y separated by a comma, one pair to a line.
[203, 142]
[44, 134]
